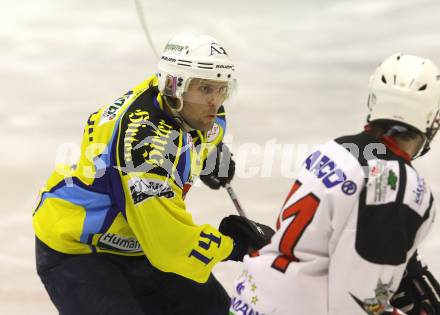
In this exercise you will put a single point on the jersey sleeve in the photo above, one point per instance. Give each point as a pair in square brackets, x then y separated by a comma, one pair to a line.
[394, 213]
[155, 161]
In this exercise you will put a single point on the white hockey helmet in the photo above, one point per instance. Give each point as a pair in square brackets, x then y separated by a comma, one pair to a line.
[191, 56]
[406, 89]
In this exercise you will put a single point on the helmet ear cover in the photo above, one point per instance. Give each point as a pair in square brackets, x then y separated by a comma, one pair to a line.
[169, 92]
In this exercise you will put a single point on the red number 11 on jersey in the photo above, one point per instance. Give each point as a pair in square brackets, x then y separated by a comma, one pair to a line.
[302, 212]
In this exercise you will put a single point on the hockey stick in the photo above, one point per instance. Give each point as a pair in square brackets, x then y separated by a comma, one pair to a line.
[234, 198]
[141, 16]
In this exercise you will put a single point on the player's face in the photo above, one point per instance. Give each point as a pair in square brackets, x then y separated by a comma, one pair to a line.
[201, 102]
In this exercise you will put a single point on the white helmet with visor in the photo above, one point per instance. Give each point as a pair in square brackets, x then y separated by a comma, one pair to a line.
[191, 56]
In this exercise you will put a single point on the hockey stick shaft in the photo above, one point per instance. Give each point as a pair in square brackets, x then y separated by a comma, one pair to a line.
[234, 199]
[143, 22]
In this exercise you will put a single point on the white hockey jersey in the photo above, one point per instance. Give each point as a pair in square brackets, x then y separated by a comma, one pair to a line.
[352, 220]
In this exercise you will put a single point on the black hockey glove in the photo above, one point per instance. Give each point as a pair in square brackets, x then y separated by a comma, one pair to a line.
[419, 291]
[247, 235]
[219, 168]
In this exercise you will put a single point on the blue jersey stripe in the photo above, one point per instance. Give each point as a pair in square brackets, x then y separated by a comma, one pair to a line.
[96, 205]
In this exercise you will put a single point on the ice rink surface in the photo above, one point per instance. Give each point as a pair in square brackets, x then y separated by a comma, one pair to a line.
[303, 69]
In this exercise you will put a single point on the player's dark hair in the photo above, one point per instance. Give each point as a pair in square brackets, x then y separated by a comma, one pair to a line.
[396, 129]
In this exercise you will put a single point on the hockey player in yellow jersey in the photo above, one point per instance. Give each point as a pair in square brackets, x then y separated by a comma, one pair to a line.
[113, 232]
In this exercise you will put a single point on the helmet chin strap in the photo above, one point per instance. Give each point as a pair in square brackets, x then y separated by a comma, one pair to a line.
[177, 117]
[424, 149]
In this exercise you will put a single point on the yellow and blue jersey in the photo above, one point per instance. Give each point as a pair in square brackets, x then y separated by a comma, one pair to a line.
[126, 194]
